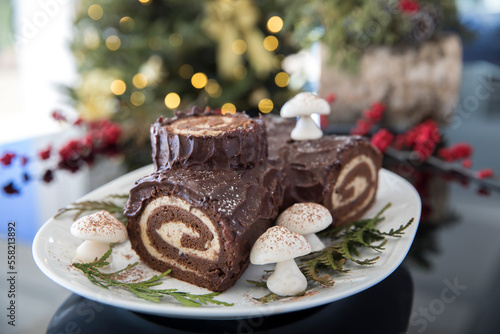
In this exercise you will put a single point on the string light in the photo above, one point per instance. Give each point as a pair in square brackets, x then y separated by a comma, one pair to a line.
[113, 42]
[240, 72]
[271, 43]
[172, 100]
[145, 2]
[213, 88]
[118, 87]
[228, 108]
[266, 105]
[137, 98]
[274, 24]
[199, 80]
[95, 12]
[127, 23]
[140, 81]
[281, 79]
[176, 39]
[186, 71]
[239, 47]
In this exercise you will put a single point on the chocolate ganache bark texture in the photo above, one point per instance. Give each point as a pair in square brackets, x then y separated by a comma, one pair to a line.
[339, 172]
[202, 224]
[205, 140]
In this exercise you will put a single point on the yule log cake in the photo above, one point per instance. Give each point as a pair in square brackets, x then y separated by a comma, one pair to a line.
[338, 172]
[214, 191]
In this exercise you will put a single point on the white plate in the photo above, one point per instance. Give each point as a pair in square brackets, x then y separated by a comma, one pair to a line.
[54, 248]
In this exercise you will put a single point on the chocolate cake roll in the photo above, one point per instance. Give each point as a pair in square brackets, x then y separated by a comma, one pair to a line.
[201, 224]
[339, 172]
[205, 140]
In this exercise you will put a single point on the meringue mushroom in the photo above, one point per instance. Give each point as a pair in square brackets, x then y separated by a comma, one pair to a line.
[279, 245]
[304, 105]
[306, 219]
[98, 230]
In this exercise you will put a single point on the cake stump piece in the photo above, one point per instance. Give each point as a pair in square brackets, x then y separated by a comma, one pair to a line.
[205, 140]
[339, 172]
[202, 224]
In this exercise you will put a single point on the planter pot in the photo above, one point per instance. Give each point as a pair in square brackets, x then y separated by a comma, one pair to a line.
[415, 82]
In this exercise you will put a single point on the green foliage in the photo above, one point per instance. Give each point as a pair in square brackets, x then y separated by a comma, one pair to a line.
[142, 289]
[348, 28]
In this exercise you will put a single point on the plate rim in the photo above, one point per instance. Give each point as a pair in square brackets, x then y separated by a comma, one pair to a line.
[216, 312]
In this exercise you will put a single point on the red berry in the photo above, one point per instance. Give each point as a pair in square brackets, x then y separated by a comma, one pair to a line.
[467, 163]
[409, 6]
[330, 98]
[6, 159]
[45, 154]
[382, 139]
[484, 173]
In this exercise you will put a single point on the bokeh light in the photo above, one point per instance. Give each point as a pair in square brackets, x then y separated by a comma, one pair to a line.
[137, 98]
[240, 72]
[127, 23]
[140, 81]
[95, 12]
[199, 80]
[271, 43]
[118, 87]
[172, 100]
[228, 108]
[266, 105]
[213, 88]
[113, 42]
[274, 24]
[281, 79]
[239, 46]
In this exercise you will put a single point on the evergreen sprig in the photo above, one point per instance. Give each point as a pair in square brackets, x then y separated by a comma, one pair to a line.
[142, 289]
[351, 237]
[107, 204]
[361, 233]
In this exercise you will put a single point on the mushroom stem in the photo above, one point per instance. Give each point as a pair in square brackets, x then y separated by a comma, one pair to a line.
[305, 129]
[287, 279]
[316, 244]
[89, 250]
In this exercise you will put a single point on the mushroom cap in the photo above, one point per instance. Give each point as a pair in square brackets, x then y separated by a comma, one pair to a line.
[278, 244]
[100, 226]
[305, 218]
[305, 104]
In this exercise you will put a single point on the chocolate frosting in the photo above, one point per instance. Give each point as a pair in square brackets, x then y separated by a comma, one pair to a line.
[206, 140]
[241, 203]
[311, 169]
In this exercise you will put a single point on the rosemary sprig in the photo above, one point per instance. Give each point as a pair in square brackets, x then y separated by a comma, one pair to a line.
[142, 289]
[115, 208]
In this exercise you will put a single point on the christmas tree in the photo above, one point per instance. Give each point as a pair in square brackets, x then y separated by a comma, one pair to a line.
[139, 59]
